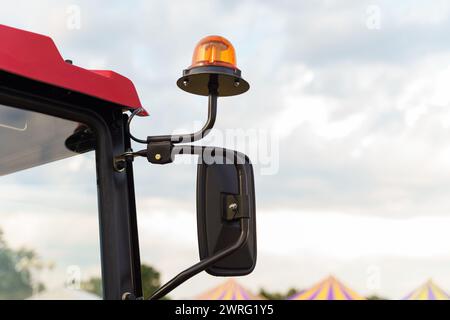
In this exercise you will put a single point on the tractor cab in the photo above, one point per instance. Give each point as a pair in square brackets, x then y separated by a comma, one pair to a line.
[65, 151]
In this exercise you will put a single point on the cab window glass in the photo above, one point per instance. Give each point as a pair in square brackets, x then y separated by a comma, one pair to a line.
[49, 238]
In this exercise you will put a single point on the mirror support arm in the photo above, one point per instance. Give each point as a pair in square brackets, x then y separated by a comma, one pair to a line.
[178, 138]
[204, 264]
[162, 145]
[212, 113]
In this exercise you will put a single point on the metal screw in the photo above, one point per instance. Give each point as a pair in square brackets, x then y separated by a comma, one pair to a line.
[119, 165]
[233, 206]
[185, 83]
[157, 156]
[236, 83]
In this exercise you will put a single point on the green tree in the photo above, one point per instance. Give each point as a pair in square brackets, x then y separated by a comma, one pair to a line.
[151, 280]
[277, 295]
[16, 266]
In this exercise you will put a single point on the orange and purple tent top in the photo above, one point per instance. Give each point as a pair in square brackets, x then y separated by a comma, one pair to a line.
[230, 290]
[428, 291]
[327, 289]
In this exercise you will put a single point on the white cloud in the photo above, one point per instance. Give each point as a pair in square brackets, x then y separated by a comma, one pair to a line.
[363, 115]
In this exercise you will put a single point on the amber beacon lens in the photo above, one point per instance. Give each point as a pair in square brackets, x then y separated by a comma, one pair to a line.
[213, 70]
[216, 51]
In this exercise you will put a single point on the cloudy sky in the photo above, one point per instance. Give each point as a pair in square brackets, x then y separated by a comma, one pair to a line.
[346, 121]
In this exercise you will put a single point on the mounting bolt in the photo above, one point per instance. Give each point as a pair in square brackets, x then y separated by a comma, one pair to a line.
[157, 156]
[236, 83]
[233, 206]
[185, 83]
[119, 165]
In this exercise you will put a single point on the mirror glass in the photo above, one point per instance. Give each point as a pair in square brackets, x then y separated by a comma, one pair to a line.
[221, 186]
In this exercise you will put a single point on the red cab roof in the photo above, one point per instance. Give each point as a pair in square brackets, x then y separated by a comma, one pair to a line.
[36, 57]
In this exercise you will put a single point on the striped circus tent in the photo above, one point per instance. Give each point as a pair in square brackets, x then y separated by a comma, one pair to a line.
[428, 291]
[229, 290]
[328, 289]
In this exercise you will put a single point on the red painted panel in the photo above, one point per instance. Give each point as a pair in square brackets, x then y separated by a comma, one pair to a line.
[36, 57]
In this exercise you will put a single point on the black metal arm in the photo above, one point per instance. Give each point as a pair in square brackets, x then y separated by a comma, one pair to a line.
[212, 112]
[191, 137]
[204, 264]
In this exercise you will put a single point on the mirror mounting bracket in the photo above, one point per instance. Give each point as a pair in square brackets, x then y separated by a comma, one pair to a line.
[159, 148]
[236, 207]
[182, 138]
[160, 152]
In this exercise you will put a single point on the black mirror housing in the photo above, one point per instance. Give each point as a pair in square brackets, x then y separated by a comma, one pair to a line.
[225, 195]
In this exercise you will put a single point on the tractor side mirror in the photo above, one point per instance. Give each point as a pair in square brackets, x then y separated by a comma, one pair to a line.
[226, 199]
